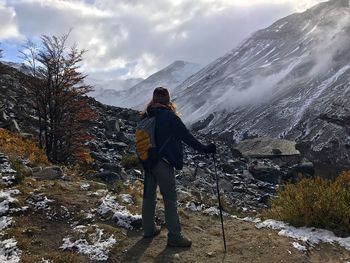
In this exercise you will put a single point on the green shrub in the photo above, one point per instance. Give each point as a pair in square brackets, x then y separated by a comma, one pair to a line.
[314, 202]
[130, 161]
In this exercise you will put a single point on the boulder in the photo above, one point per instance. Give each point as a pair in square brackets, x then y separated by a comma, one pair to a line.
[266, 173]
[228, 168]
[36, 169]
[109, 177]
[3, 116]
[112, 126]
[236, 153]
[111, 167]
[94, 146]
[99, 157]
[49, 173]
[267, 147]
[121, 136]
[11, 125]
[26, 136]
[305, 168]
[27, 171]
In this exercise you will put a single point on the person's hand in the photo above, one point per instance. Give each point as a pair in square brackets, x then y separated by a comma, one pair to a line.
[211, 148]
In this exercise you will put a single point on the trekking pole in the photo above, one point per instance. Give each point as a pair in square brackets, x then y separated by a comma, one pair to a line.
[220, 207]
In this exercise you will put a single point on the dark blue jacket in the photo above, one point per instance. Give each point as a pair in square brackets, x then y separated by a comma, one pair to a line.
[169, 125]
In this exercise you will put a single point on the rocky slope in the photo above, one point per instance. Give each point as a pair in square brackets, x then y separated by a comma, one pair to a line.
[138, 96]
[290, 80]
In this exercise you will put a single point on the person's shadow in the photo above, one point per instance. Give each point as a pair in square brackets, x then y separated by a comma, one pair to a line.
[168, 254]
[136, 251]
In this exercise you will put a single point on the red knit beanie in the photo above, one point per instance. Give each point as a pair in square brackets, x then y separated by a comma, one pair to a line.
[161, 95]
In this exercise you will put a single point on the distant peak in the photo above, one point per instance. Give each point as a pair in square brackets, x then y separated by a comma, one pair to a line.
[181, 63]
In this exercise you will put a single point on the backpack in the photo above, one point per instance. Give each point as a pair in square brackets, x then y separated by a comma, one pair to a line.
[146, 148]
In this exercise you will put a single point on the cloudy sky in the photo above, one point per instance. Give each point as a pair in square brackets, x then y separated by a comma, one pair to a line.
[135, 38]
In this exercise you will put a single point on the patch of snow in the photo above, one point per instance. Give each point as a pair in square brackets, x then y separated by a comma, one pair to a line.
[96, 249]
[126, 198]
[9, 252]
[7, 197]
[299, 247]
[5, 222]
[80, 229]
[40, 202]
[250, 219]
[138, 172]
[45, 261]
[312, 236]
[99, 192]
[85, 186]
[89, 216]
[193, 207]
[312, 30]
[7, 174]
[308, 101]
[213, 211]
[121, 214]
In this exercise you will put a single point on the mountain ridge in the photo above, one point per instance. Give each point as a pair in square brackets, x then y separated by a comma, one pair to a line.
[279, 82]
[137, 96]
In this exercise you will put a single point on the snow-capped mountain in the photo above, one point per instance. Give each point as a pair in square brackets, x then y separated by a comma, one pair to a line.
[290, 80]
[106, 91]
[19, 66]
[138, 96]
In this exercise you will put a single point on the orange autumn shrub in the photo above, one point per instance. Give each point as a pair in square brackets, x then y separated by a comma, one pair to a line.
[16, 147]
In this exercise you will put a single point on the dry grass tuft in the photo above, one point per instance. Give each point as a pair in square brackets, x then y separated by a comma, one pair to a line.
[130, 161]
[16, 147]
[315, 203]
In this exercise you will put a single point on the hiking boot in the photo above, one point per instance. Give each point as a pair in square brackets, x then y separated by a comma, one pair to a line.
[156, 232]
[180, 241]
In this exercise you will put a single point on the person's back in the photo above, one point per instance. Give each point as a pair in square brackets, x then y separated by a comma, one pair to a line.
[170, 132]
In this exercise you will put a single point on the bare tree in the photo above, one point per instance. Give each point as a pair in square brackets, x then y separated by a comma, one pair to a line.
[57, 92]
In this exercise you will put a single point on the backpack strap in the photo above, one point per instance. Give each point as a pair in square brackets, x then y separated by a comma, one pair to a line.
[166, 141]
[164, 144]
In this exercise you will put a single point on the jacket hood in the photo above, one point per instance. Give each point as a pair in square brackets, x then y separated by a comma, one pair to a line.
[153, 110]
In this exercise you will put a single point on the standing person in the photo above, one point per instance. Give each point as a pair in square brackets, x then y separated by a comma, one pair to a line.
[170, 132]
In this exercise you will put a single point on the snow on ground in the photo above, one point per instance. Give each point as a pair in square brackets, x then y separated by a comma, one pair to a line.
[7, 198]
[9, 252]
[96, 246]
[211, 211]
[45, 261]
[126, 198]
[299, 247]
[39, 201]
[248, 219]
[121, 214]
[7, 174]
[5, 222]
[85, 186]
[311, 236]
[193, 207]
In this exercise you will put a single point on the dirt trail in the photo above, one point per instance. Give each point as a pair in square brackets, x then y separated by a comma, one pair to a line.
[40, 233]
[245, 243]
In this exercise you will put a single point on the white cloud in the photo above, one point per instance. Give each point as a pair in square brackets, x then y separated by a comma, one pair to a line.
[8, 27]
[134, 38]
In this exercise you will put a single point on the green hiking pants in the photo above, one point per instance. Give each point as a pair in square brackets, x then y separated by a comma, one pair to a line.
[163, 175]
